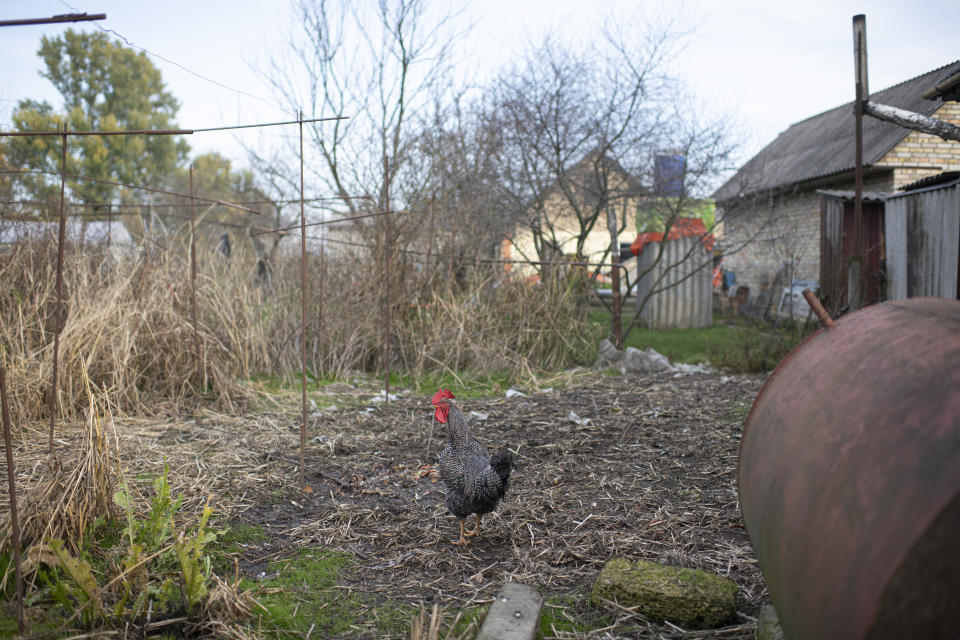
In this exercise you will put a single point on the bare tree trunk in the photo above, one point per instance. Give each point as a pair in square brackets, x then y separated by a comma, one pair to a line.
[616, 327]
[911, 120]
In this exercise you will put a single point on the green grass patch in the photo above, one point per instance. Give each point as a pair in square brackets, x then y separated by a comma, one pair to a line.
[735, 345]
[464, 384]
[228, 546]
[679, 345]
[279, 384]
[566, 615]
[302, 591]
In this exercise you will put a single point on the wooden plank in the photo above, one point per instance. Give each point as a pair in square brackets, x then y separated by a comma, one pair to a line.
[514, 615]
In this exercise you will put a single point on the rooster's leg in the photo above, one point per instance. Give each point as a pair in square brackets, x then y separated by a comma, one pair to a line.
[476, 528]
[462, 542]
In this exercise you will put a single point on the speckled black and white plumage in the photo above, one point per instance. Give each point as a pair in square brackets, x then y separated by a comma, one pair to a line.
[475, 480]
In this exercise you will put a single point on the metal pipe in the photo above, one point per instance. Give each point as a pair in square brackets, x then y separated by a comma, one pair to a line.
[139, 187]
[59, 310]
[387, 298]
[855, 275]
[818, 309]
[323, 222]
[64, 17]
[193, 288]
[303, 318]
[14, 517]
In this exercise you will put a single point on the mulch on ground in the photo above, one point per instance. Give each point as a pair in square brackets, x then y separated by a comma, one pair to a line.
[637, 467]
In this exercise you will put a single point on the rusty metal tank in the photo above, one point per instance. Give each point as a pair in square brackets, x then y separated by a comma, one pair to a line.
[849, 476]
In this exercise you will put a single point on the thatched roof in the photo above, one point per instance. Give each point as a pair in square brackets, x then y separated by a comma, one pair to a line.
[823, 145]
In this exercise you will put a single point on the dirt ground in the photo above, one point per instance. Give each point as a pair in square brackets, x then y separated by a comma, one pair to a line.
[636, 467]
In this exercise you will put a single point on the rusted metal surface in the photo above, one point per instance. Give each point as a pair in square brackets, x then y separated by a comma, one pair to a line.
[818, 309]
[849, 476]
[12, 487]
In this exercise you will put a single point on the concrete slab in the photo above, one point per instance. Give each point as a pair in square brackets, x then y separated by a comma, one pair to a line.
[514, 615]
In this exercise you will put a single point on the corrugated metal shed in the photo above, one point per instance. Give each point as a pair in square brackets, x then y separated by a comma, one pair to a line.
[823, 144]
[837, 247]
[681, 283]
[923, 236]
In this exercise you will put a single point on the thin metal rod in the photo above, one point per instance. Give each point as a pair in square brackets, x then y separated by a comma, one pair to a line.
[170, 204]
[65, 17]
[59, 310]
[299, 121]
[323, 222]
[160, 132]
[387, 253]
[303, 318]
[563, 263]
[14, 517]
[193, 288]
[138, 187]
[124, 132]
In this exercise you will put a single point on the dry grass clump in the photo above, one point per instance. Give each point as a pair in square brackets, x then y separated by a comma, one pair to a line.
[129, 319]
[75, 487]
[495, 325]
[126, 318]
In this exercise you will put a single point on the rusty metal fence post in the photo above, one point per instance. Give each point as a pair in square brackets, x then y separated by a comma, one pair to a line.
[193, 289]
[303, 318]
[387, 253]
[61, 237]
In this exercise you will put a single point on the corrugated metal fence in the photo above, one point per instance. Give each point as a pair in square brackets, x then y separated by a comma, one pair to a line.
[684, 275]
[922, 232]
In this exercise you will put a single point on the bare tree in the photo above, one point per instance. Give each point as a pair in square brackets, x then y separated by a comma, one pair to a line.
[581, 133]
[375, 65]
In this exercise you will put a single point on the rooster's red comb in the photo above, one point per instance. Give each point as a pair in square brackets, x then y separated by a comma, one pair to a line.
[442, 395]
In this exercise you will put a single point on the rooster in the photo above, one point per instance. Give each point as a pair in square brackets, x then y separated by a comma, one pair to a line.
[475, 481]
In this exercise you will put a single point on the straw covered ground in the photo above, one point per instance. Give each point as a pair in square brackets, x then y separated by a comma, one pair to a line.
[638, 467]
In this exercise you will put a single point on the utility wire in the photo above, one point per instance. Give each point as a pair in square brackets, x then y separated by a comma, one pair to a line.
[130, 43]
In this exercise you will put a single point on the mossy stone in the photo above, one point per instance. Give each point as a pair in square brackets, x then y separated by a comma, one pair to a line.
[690, 598]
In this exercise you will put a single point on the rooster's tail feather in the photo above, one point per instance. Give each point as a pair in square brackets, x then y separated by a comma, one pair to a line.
[502, 463]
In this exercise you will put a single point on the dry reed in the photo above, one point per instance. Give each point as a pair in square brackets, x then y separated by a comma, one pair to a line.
[74, 488]
[128, 318]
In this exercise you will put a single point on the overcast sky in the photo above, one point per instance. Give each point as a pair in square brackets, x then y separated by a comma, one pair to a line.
[770, 63]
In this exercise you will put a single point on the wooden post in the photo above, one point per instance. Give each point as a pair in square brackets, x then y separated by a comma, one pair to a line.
[616, 326]
[855, 267]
